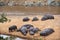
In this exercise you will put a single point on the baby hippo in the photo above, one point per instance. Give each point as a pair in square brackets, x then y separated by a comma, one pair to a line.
[33, 30]
[26, 19]
[12, 28]
[35, 19]
[27, 26]
[47, 16]
[23, 30]
[46, 32]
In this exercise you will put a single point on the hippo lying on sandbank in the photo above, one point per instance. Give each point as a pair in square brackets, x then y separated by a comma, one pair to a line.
[46, 32]
[12, 28]
[47, 16]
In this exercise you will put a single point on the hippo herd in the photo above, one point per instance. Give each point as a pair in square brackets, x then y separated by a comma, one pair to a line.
[45, 17]
[30, 28]
[24, 29]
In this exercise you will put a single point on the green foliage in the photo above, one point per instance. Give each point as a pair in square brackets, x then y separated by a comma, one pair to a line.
[3, 18]
[37, 39]
[12, 37]
[1, 38]
[7, 38]
[40, 38]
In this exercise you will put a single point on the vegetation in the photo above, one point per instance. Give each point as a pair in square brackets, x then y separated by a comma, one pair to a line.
[3, 18]
[7, 38]
[36, 39]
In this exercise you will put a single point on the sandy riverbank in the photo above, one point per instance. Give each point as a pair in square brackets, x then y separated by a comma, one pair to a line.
[17, 20]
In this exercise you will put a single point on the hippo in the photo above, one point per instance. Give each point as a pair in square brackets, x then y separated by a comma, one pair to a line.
[47, 16]
[33, 30]
[46, 32]
[12, 28]
[31, 33]
[23, 30]
[27, 26]
[26, 19]
[35, 19]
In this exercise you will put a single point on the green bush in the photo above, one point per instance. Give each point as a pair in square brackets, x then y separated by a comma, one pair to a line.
[3, 18]
[7, 38]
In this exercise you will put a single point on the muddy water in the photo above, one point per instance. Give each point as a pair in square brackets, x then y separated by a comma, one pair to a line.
[31, 10]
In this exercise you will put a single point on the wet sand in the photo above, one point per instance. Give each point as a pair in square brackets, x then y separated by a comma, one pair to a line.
[17, 20]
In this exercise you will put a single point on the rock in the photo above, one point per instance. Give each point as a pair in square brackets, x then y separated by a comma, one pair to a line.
[58, 3]
[53, 3]
[35, 19]
[47, 16]
[11, 3]
[38, 4]
[46, 32]
[13, 27]
[29, 4]
[26, 19]
[2, 4]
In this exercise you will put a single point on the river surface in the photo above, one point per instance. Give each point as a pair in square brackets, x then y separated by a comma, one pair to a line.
[22, 10]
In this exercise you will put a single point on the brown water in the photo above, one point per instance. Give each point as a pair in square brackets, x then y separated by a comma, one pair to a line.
[31, 10]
